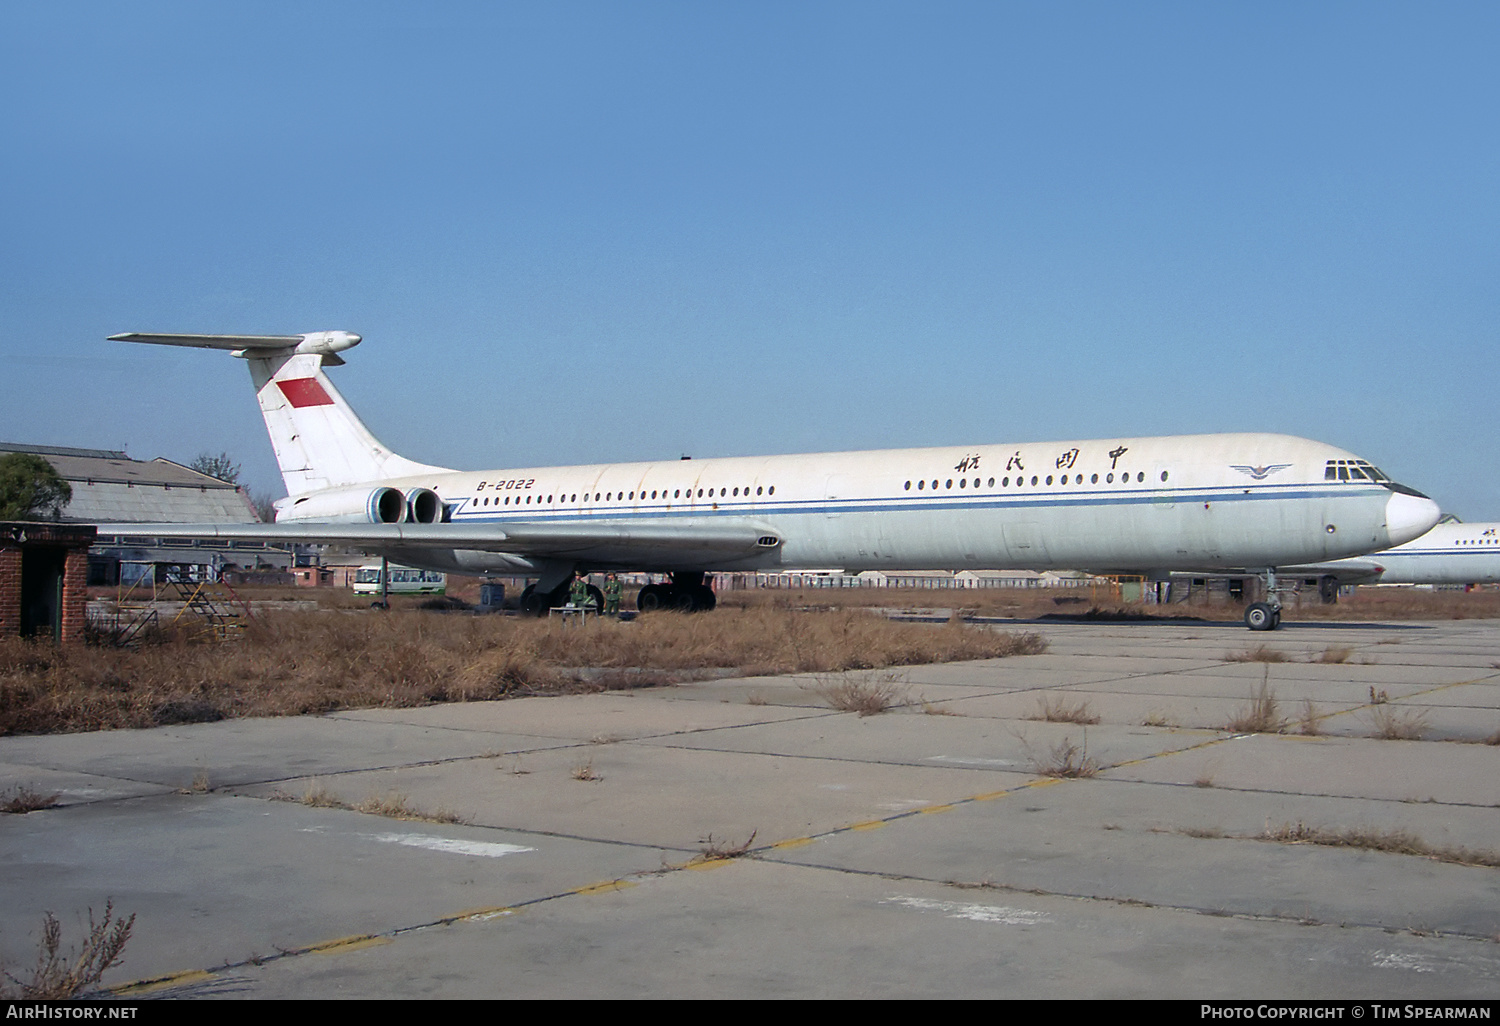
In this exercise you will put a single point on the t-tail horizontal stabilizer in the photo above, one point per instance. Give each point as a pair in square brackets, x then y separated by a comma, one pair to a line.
[327, 344]
[319, 440]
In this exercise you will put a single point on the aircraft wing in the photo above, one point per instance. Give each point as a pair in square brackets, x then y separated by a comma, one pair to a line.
[229, 342]
[615, 541]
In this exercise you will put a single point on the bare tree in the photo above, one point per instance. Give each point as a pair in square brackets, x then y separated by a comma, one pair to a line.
[265, 506]
[220, 466]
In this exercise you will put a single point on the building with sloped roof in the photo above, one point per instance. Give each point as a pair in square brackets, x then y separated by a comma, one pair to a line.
[110, 487]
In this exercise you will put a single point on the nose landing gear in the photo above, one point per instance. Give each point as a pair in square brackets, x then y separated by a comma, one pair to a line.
[1265, 616]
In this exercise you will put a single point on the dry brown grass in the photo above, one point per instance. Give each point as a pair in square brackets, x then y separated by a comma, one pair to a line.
[1067, 760]
[393, 805]
[1366, 604]
[58, 977]
[1258, 654]
[1393, 724]
[1157, 719]
[1057, 709]
[1334, 654]
[865, 694]
[711, 850]
[22, 799]
[317, 662]
[1311, 721]
[1396, 841]
[586, 771]
[1260, 715]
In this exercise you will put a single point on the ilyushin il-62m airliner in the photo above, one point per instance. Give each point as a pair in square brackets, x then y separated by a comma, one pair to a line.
[1453, 552]
[1240, 502]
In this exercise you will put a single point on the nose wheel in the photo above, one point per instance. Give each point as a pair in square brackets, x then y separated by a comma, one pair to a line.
[1262, 616]
[1265, 616]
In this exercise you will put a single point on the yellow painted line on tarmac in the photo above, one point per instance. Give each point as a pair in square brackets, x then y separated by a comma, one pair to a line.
[935, 808]
[163, 982]
[343, 944]
[990, 796]
[1175, 751]
[708, 863]
[795, 842]
[603, 888]
[869, 824]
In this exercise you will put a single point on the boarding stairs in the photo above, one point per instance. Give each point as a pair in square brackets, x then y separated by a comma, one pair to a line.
[218, 611]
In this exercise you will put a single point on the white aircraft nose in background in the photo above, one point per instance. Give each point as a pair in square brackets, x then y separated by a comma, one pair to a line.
[1409, 516]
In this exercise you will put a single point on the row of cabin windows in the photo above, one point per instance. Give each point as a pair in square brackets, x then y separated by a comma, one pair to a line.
[622, 497]
[1063, 479]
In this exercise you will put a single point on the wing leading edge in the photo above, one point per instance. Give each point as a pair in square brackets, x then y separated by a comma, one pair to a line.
[595, 539]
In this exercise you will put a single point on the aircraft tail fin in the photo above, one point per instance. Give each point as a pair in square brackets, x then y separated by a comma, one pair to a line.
[320, 441]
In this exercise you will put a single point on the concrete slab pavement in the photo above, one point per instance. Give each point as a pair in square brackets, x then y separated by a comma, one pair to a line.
[902, 854]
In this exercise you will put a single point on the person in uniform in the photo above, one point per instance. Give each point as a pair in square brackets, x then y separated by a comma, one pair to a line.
[613, 592]
[578, 595]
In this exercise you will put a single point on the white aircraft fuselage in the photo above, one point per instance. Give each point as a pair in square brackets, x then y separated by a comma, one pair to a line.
[1121, 504]
[1451, 553]
[1133, 505]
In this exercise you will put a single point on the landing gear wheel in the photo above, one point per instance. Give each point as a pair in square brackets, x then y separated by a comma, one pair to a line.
[1276, 620]
[681, 599]
[704, 599]
[651, 598]
[597, 598]
[1260, 616]
[536, 603]
[1328, 589]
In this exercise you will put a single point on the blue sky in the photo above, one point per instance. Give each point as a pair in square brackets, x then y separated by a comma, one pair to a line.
[580, 232]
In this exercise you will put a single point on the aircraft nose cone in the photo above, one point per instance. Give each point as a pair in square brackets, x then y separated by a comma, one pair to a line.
[1409, 516]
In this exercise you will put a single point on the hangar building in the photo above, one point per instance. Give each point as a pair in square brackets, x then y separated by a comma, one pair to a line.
[110, 487]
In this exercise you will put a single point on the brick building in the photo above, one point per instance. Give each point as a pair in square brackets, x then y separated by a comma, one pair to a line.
[44, 579]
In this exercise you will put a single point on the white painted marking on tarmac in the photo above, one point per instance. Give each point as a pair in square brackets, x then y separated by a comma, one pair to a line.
[487, 849]
[978, 913]
[833, 787]
[1398, 960]
[960, 760]
[903, 804]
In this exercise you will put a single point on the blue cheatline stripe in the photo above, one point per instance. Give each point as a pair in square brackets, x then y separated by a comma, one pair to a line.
[1402, 553]
[1132, 497]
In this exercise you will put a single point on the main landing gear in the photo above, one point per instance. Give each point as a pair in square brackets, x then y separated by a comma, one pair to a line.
[687, 594]
[537, 603]
[1265, 616]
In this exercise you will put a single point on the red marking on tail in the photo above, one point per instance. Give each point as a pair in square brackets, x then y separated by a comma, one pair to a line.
[302, 392]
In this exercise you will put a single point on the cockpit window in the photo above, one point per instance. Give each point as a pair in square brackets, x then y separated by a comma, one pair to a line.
[1352, 470]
